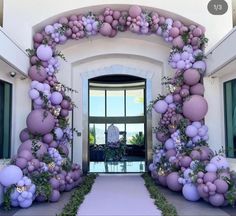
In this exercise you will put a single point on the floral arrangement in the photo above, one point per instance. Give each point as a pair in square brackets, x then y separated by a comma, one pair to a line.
[114, 151]
[43, 155]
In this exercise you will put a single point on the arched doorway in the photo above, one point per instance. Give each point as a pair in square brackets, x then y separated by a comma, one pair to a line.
[119, 101]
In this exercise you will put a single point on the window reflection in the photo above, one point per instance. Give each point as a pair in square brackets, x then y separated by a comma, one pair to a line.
[97, 103]
[230, 117]
[135, 134]
[135, 102]
[96, 134]
[115, 103]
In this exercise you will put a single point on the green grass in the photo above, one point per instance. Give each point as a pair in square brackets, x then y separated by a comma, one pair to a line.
[78, 196]
[160, 200]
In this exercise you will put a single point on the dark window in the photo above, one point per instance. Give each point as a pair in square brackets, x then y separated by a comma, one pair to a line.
[230, 117]
[5, 119]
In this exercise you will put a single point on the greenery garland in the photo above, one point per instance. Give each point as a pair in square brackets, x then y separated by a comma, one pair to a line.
[160, 200]
[7, 198]
[78, 196]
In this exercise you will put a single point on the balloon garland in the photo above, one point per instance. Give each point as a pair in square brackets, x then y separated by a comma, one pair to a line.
[41, 169]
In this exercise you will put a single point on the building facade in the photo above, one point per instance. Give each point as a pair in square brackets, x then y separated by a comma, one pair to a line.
[127, 54]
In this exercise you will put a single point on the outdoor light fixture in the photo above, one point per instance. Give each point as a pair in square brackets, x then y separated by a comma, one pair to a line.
[12, 73]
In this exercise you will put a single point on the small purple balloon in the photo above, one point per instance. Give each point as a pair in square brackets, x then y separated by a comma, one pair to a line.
[160, 106]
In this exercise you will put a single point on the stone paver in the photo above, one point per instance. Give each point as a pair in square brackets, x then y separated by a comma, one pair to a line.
[199, 208]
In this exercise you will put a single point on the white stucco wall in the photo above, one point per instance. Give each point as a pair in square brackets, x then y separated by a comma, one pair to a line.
[21, 16]
[94, 60]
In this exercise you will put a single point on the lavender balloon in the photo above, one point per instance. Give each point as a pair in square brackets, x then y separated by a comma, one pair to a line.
[56, 98]
[44, 52]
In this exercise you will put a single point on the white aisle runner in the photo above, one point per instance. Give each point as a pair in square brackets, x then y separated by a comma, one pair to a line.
[118, 195]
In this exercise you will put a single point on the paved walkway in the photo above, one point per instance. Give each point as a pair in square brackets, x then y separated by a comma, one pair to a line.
[118, 195]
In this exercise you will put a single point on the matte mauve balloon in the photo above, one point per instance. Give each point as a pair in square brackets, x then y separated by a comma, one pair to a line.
[191, 77]
[37, 73]
[40, 122]
[195, 108]
[135, 11]
[172, 181]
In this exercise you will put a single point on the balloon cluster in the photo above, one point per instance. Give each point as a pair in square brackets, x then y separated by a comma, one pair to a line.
[45, 140]
[197, 132]
[23, 193]
[56, 32]
[55, 156]
[91, 24]
[39, 93]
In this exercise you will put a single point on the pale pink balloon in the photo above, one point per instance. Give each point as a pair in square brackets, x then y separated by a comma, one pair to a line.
[195, 108]
[191, 77]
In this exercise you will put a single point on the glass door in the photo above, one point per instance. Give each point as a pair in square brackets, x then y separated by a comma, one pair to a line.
[5, 119]
[121, 105]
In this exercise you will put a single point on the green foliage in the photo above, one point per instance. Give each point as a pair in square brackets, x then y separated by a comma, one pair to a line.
[35, 146]
[113, 153]
[92, 135]
[47, 158]
[41, 181]
[160, 200]
[30, 52]
[137, 139]
[78, 196]
[67, 165]
[185, 37]
[7, 198]
[91, 139]
[231, 193]
[60, 54]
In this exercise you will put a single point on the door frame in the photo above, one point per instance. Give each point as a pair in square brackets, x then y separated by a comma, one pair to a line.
[123, 70]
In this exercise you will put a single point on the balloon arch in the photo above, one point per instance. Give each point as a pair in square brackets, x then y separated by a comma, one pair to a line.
[182, 161]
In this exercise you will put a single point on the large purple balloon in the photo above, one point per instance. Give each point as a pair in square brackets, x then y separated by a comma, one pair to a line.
[27, 146]
[44, 52]
[162, 180]
[21, 162]
[200, 65]
[197, 89]
[37, 73]
[10, 175]
[220, 161]
[217, 199]
[172, 181]
[26, 154]
[190, 192]
[221, 186]
[195, 108]
[40, 121]
[56, 98]
[191, 77]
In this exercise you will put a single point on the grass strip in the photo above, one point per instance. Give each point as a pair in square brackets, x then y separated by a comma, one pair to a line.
[160, 200]
[78, 196]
